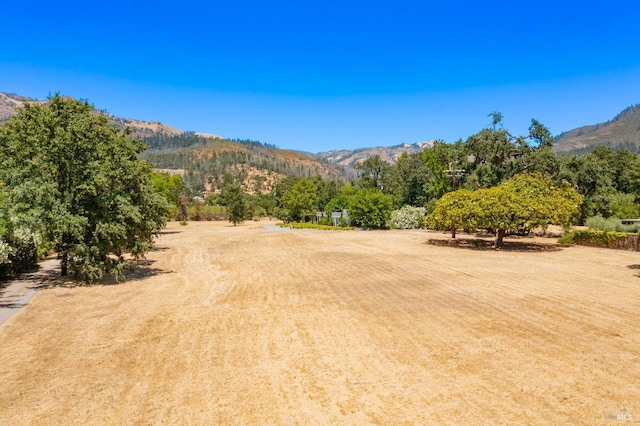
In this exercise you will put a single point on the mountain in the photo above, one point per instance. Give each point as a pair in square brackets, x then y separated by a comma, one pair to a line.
[349, 158]
[10, 103]
[205, 162]
[621, 132]
[204, 159]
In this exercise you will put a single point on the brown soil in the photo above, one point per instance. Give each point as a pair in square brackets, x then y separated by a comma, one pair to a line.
[244, 325]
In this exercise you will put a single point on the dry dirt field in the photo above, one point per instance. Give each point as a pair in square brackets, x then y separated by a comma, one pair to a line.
[248, 325]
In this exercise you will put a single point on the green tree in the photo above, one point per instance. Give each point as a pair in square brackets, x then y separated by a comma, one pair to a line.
[172, 187]
[498, 155]
[236, 201]
[438, 160]
[326, 190]
[624, 206]
[374, 172]
[494, 154]
[540, 134]
[5, 234]
[338, 204]
[408, 180]
[341, 201]
[5, 221]
[281, 188]
[594, 178]
[525, 201]
[301, 200]
[80, 180]
[370, 208]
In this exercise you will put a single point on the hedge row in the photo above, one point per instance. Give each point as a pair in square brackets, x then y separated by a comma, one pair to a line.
[607, 239]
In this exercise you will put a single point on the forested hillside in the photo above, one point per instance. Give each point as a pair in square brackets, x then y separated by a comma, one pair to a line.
[205, 162]
[621, 132]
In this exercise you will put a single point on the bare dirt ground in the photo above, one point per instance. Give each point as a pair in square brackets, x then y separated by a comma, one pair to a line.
[247, 325]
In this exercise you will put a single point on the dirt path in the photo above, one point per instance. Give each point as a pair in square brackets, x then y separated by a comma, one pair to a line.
[17, 293]
[247, 326]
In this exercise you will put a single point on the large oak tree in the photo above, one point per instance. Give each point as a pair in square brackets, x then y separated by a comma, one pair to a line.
[79, 180]
[524, 201]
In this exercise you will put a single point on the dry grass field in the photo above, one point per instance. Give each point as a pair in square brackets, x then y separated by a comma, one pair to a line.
[248, 325]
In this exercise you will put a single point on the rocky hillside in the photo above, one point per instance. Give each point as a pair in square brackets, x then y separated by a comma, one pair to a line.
[349, 158]
[10, 103]
[623, 131]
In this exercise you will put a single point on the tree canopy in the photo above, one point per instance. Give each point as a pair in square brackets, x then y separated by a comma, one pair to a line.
[374, 171]
[77, 180]
[235, 199]
[524, 201]
[370, 208]
[301, 200]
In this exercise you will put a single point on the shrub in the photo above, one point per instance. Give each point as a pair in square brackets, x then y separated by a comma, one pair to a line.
[370, 208]
[25, 245]
[612, 224]
[5, 254]
[568, 238]
[599, 223]
[596, 238]
[408, 217]
[20, 252]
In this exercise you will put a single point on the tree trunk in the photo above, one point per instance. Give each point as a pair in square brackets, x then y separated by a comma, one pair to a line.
[499, 238]
[453, 232]
[64, 264]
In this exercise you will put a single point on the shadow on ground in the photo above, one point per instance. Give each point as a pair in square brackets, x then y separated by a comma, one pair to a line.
[16, 292]
[480, 244]
[133, 271]
[169, 232]
[32, 280]
[634, 267]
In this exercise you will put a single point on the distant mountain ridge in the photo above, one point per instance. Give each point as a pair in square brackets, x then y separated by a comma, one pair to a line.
[204, 159]
[390, 154]
[622, 132]
[155, 132]
[206, 163]
[10, 103]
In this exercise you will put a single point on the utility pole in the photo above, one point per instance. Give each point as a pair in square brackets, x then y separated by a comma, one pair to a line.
[454, 174]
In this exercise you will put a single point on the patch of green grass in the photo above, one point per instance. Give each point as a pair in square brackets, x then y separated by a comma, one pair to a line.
[568, 238]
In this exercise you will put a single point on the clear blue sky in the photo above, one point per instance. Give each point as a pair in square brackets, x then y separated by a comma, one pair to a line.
[319, 75]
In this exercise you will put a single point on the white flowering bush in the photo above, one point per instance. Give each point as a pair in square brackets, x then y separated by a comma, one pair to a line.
[26, 237]
[5, 251]
[408, 217]
[25, 244]
[5, 258]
